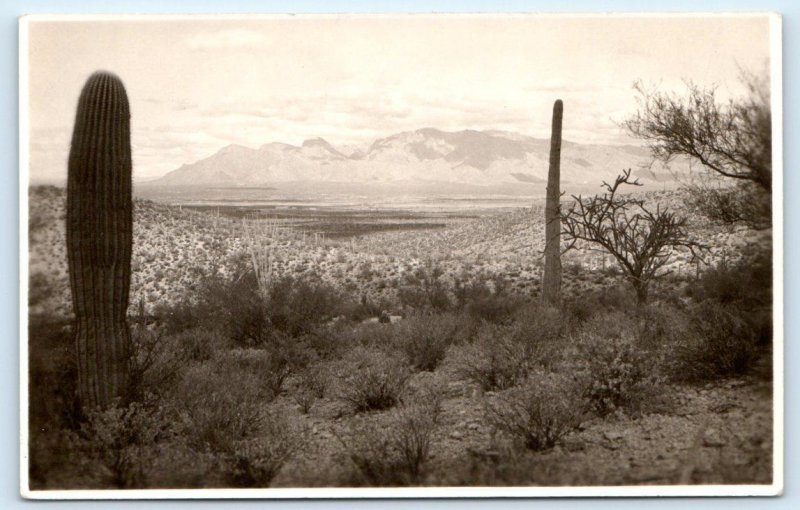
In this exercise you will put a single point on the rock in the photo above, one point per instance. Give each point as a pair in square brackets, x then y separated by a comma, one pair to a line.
[612, 435]
[473, 426]
[456, 435]
[713, 438]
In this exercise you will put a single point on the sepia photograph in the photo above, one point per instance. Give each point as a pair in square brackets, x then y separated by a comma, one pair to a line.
[401, 255]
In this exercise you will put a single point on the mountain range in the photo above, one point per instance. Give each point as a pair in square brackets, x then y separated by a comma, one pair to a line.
[469, 157]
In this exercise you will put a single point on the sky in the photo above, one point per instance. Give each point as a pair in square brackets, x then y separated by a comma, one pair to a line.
[198, 84]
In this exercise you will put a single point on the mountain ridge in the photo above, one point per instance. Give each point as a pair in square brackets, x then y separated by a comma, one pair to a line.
[480, 158]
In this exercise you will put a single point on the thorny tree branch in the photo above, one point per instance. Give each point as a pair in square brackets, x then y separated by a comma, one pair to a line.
[641, 240]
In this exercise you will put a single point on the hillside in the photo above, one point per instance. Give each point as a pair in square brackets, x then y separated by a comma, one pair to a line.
[478, 158]
[176, 248]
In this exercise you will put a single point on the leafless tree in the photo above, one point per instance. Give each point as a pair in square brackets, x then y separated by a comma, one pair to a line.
[732, 139]
[641, 240]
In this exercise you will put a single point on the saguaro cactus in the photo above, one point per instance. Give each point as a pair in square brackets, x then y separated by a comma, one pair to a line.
[99, 238]
[551, 283]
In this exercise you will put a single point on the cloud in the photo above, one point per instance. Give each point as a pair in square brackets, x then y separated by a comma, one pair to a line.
[235, 38]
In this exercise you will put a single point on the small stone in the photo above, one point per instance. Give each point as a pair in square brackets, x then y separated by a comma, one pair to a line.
[713, 438]
[612, 435]
[473, 426]
[456, 435]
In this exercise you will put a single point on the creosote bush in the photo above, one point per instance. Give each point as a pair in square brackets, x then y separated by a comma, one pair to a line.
[255, 462]
[614, 370]
[538, 412]
[220, 406]
[722, 344]
[423, 339]
[124, 441]
[502, 355]
[395, 451]
[371, 380]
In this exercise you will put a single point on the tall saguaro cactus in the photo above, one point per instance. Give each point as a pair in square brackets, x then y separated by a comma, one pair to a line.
[100, 238]
[551, 283]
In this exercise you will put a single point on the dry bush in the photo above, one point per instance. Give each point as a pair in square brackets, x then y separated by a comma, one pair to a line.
[126, 440]
[337, 340]
[200, 344]
[255, 462]
[424, 339]
[501, 356]
[493, 360]
[311, 384]
[372, 380]
[156, 363]
[615, 371]
[394, 452]
[220, 405]
[539, 412]
[297, 306]
[722, 345]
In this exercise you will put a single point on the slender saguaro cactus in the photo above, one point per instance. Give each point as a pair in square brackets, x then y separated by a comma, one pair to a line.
[551, 284]
[100, 238]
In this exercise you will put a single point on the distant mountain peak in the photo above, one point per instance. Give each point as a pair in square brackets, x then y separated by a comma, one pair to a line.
[233, 148]
[428, 154]
[317, 142]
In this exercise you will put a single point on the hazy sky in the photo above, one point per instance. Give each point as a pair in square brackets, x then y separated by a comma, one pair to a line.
[196, 86]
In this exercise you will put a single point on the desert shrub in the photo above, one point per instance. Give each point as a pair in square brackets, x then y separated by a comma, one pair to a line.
[372, 380]
[501, 355]
[722, 344]
[424, 289]
[658, 328]
[233, 306]
[52, 374]
[255, 462]
[412, 297]
[156, 363]
[298, 305]
[219, 405]
[40, 288]
[748, 283]
[617, 298]
[125, 441]
[495, 308]
[573, 268]
[270, 366]
[312, 381]
[578, 311]
[199, 344]
[328, 343]
[615, 372]
[539, 412]
[493, 360]
[393, 452]
[423, 339]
